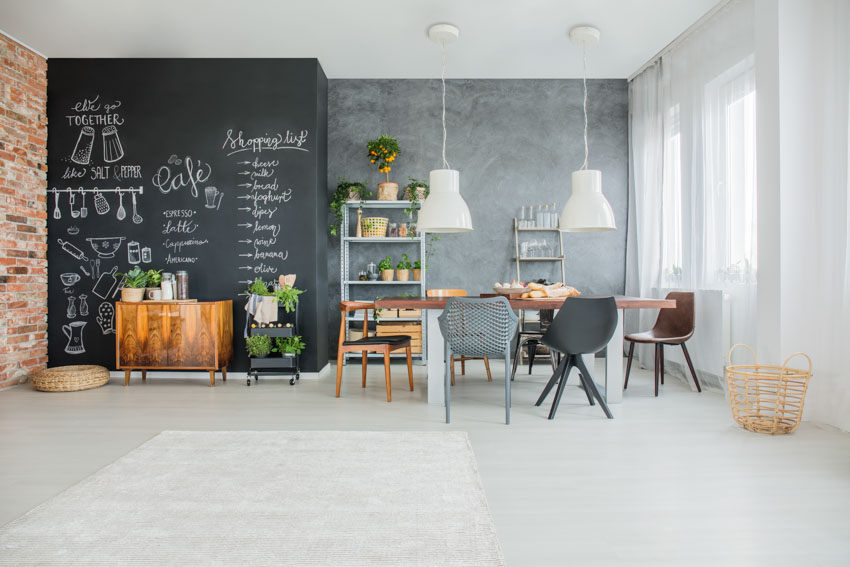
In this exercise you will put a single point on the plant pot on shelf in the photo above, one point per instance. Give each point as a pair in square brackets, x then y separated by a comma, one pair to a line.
[417, 194]
[354, 194]
[387, 275]
[417, 274]
[403, 275]
[387, 191]
[132, 294]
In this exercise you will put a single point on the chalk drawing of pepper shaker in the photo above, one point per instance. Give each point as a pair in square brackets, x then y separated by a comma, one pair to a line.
[84, 306]
[82, 151]
[112, 150]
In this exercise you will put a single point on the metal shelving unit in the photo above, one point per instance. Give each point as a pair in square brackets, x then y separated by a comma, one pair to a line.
[558, 258]
[345, 274]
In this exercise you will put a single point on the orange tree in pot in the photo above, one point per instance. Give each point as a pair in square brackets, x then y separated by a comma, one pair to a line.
[383, 151]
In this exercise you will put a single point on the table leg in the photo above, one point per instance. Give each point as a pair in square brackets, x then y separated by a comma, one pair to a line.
[436, 365]
[614, 363]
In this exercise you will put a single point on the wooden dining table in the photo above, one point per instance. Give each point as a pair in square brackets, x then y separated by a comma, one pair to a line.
[612, 386]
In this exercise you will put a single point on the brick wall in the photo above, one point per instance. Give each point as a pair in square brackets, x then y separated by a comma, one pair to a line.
[23, 212]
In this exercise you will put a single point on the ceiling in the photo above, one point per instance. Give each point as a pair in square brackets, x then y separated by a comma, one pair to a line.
[499, 39]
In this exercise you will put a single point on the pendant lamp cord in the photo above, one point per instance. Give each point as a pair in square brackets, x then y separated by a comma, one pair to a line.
[584, 84]
[443, 81]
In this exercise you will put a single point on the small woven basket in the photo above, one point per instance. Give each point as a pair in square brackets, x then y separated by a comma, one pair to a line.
[374, 227]
[767, 399]
[70, 378]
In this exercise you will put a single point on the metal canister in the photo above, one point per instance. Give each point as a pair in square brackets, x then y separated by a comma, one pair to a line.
[182, 284]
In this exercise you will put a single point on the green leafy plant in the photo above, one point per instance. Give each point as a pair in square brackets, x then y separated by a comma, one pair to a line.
[404, 263]
[382, 152]
[258, 288]
[429, 248]
[258, 345]
[410, 194]
[386, 264]
[288, 297]
[341, 195]
[134, 278]
[417, 265]
[154, 278]
[289, 345]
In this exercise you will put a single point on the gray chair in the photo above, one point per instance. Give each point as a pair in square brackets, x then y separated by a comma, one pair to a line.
[478, 327]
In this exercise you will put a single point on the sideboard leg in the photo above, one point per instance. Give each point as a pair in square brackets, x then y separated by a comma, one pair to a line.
[144, 375]
[126, 377]
[212, 378]
[224, 373]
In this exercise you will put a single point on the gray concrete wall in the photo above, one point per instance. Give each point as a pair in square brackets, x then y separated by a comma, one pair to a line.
[515, 142]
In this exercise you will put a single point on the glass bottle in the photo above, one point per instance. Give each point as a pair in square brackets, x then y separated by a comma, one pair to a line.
[521, 220]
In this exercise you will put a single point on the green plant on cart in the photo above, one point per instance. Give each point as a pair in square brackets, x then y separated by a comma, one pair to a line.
[386, 264]
[154, 277]
[341, 195]
[417, 265]
[134, 278]
[410, 193]
[258, 287]
[258, 345]
[289, 345]
[383, 151]
[288, 297]
[404, 263]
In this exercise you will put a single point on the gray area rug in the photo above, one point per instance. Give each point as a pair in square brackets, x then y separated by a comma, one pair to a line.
[269, 498]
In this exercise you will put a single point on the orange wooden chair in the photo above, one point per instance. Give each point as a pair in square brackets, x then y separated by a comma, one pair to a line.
[384, 345]
[462, 359]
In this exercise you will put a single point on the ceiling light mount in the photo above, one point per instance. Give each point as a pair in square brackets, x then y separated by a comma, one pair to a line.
[443, 34]
[584, 35]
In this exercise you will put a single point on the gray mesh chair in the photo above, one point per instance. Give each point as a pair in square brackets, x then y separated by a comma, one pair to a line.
[478, 327]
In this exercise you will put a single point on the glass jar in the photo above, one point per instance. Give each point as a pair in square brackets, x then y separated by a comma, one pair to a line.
[392, 230]
[182, 284]
[167, 285]
[361, 276]
[402, 229]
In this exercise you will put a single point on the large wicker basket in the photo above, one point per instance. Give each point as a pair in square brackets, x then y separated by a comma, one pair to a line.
[70, 378]
[767, 399]
[374, 227]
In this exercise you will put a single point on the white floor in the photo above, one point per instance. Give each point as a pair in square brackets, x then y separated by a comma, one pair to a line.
[669, 481]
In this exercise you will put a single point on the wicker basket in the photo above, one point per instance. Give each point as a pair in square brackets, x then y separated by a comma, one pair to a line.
[70, 378]
[374, 227]
[767, 399]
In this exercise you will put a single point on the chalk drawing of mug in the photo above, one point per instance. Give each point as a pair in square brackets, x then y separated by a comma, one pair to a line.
[74, 332]
[82, 151]
[213, 196]
[112, 150]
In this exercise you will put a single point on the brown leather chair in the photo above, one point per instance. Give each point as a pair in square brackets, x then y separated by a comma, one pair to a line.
[673, 327]
[463, 359]
[384, 345]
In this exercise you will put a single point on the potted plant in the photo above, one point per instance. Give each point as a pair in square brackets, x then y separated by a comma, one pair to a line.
[386, 268]
[154, 281]
[417, 270]
[346, 191]
[258, 346]
[289, 346]
[133, 285]
[416, 190]
[403, 268]
[286, 296]
[382, 152]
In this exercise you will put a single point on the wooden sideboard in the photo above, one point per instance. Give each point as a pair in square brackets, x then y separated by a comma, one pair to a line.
[160, 335]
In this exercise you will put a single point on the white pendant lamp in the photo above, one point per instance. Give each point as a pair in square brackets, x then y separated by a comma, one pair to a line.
[586, 210]
[444, 210]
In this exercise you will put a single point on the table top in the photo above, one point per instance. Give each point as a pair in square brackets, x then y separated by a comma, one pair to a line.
[623, 302]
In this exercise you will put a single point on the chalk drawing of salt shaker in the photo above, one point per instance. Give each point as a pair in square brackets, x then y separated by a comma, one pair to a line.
[82, 151]
[112, 150]
[71, 313]
[134, 252]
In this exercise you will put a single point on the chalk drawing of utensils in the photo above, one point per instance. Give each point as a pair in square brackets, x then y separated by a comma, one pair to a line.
[57, 214]
[84, 270]
[95, 268]
[74, 214]
[137, 218]
[121, 212]
[82, 151]
[105, 283]
[101, 205]
[72, 250]
[84, 212]
[71, 312]
[112, 150]
[84, 306]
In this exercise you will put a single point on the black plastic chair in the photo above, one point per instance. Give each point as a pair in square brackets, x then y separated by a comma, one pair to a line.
[583, 325]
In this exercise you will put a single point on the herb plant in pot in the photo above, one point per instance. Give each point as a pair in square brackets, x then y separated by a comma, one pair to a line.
[417, 271]
[416, 190]
[346, 191]
[258, 346]
[403, 268]
[133, 285]
[289, 346]
[382, 152]
[154, 282]
[386, 268]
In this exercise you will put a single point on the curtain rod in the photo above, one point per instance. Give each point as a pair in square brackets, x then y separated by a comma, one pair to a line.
[681, 37]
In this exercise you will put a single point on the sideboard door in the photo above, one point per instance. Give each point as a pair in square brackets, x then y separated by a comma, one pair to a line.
[142, 335]
[192, 335]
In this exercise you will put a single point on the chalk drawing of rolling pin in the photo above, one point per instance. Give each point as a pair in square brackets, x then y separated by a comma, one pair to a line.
[72, 250]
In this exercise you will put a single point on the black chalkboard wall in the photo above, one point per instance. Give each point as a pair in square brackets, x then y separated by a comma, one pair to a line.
[213, 166]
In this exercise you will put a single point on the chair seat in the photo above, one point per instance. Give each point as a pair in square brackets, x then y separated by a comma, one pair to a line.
[654, 337]
[384, 340]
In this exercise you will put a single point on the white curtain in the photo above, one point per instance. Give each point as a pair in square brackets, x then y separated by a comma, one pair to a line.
[692, 181]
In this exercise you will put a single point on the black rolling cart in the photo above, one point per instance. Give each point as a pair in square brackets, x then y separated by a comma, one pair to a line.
[276, 364]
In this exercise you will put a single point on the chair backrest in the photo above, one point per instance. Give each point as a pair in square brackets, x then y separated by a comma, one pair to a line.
[678, 322]
[445, 293]
[475, 326]
[583, 325]
[347, 306]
